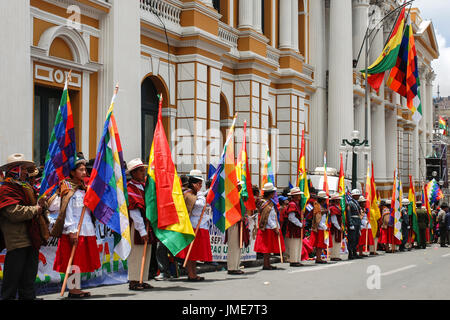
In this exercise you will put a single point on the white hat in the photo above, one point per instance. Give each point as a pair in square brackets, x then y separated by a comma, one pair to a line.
[388, 201]
[197, 174]
[405, 201]
[295, 192]
[335, 196]
[134, 164]
[356, 192]
[322, 195]
[362, 199]
[269, 187]
[16, 159]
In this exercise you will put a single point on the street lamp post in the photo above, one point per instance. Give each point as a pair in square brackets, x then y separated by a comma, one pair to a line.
[355, 145]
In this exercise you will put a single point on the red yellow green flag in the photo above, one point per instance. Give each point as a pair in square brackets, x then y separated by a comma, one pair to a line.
[302, 178]
[165, 206]
[341, 190]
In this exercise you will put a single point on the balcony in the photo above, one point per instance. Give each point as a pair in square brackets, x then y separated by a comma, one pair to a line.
[168, 11]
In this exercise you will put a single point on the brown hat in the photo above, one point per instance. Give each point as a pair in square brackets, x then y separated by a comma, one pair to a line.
[16, 159]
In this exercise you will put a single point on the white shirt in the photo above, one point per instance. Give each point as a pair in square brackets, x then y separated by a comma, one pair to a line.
[73, 214]
[292, 218]
[197, 211]
[365, 224]
[272, 222]
[135, 215]
[334, 221]
[322, 224]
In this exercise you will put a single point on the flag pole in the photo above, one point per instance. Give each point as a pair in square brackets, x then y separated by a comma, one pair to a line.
[240, 234]
[195, 235]
[72, 254]
[144, 255]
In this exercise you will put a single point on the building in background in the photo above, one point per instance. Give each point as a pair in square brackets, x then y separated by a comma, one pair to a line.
[282, 65]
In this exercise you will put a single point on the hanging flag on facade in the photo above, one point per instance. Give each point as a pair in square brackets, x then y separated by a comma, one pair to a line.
[61, 152]
[443, 125]
[107, 195]
[404, 77]
[388, 57]
[164, 201]
[224, 193]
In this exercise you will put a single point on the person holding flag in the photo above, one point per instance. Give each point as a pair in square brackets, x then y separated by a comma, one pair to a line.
[196, 204]
[140, 229]
[319, 227]
[336, 226]
[294, 228]
[268, 239]
[366, 237]
[86, 256]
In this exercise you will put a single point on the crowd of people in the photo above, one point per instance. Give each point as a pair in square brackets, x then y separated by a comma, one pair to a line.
[314, 231]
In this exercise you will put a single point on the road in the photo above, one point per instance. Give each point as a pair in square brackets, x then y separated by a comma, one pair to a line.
[417, 274]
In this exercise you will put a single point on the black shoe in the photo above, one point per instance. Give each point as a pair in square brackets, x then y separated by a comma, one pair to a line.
[235, 272]
[358, 257]
[351, 257]
[444, 246]
[295, 264]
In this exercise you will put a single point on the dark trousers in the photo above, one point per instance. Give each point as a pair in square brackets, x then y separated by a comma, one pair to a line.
[443, 235]
[19, 274]
[163, 258]
[353, 239]
[423, 243]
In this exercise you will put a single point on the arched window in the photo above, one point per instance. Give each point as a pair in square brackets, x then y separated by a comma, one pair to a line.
[149, 116]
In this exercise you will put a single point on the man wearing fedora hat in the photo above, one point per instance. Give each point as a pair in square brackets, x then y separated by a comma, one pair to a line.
[385, 216]
[19, 207]
[366, 229]
[268, 238]
[319, 227]
[196, 204]
[294, 227]
[140, 229]
[336, 226]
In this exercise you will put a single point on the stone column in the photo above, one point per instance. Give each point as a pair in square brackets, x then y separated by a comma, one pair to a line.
[257, 14]
[360, 22]
[16, 79]
[122, 55]
[391, 143]
[285, 24]
[294, 17]
[245, 14]
[340, 89]
[430, 111]
[318, 59]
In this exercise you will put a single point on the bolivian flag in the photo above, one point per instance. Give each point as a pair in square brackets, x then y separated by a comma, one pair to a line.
[302, 177]
[165, 206]
[341, 191]
[388, 57]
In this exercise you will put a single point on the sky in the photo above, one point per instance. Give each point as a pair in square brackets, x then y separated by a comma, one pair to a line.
[438, 11]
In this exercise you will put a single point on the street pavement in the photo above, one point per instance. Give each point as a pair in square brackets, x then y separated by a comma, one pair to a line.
[409, 275]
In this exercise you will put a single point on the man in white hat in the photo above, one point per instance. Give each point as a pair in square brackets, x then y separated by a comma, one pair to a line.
[319, 227]
[140, 229]
[268, 239]
[18, 206]
[385, 216]
[294, 228]
[354, 213]
[366, 229]
[336, 226]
